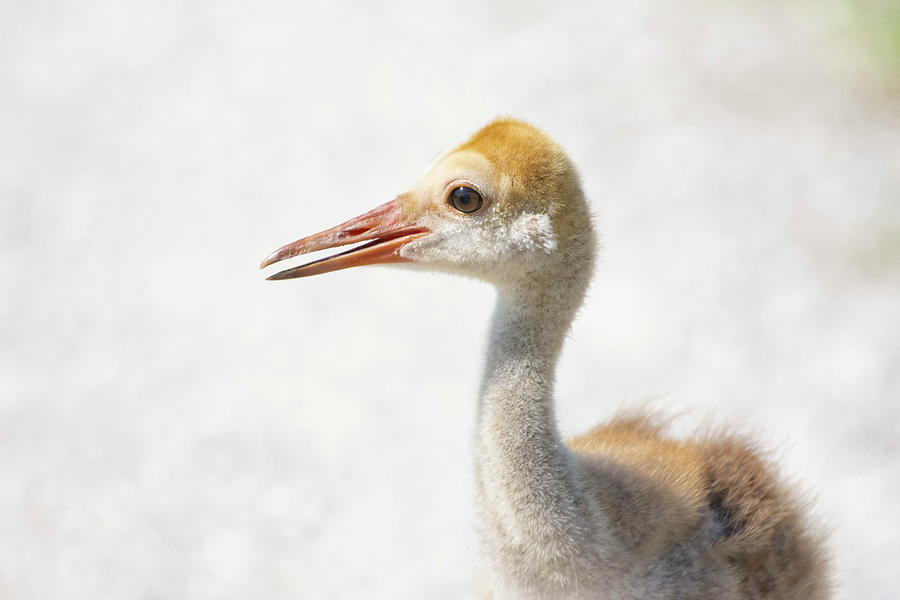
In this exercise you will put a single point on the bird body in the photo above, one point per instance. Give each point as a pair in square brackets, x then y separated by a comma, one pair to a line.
[622, 512]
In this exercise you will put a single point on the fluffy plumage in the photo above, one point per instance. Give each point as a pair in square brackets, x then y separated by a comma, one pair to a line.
[623, 511]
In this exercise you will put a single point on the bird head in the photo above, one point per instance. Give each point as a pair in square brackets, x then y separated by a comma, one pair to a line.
[505, 207]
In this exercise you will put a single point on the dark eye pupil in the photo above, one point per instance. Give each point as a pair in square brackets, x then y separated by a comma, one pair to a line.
[465, 199]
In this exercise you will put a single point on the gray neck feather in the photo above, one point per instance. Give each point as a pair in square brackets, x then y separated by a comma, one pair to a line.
[531, 498]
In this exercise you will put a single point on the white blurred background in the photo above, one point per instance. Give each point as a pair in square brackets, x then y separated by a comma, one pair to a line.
[174, 426]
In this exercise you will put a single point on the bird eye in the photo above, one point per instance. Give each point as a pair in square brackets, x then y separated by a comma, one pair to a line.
[465, 199]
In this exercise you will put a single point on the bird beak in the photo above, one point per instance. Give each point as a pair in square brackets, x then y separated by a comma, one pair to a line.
[383, 228]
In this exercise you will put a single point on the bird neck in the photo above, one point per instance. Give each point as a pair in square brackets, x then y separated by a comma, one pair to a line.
[528, 483]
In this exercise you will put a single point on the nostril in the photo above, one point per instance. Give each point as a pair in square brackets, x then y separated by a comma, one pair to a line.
[355, 231]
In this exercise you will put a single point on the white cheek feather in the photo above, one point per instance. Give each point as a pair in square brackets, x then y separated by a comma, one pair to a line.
[533, 233]
[461, 246]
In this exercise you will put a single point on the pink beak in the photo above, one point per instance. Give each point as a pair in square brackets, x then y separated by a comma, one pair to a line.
[383, 227]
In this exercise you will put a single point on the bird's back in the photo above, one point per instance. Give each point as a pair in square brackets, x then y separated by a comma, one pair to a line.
[700, 516]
